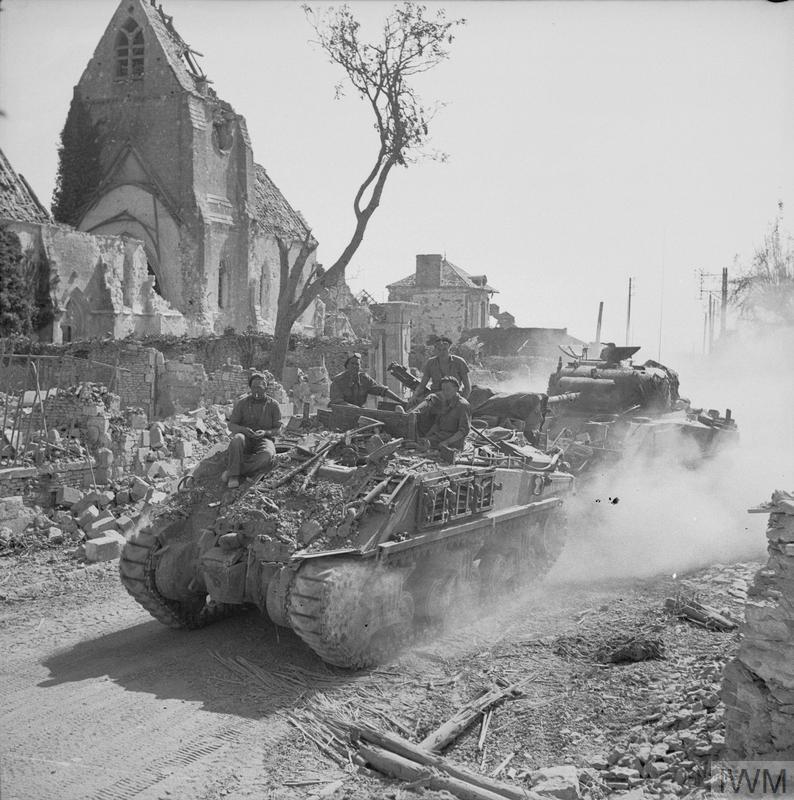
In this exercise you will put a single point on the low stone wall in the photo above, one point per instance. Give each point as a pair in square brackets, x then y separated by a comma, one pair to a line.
[758, 688]
[166, 375]
[38, 485]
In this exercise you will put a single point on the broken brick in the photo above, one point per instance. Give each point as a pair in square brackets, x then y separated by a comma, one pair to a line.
[105, 548]
[67, 496]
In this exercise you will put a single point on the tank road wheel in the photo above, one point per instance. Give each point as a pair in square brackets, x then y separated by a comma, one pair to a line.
[351, 613]
[500, 574]
[137, 567]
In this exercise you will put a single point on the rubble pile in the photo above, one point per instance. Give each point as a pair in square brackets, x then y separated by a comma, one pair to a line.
[289, 518]
[185, 438]
[759, 683]
[95, 521]
[671, 751]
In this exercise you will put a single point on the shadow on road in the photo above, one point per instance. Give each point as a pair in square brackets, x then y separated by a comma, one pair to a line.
[174, 664]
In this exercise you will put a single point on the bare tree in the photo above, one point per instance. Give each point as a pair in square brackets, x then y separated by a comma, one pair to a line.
[764, 292]
[412, 43]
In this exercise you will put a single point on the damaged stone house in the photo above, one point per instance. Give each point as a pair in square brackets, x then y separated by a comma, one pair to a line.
[448, 300]
[173, 227]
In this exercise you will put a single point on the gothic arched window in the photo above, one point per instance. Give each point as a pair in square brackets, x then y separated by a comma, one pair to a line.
[129, 51]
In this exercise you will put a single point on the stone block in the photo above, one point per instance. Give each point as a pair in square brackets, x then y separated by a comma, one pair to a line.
[156, 436]
[125, 523]
[54, 535]
[122, 497]
[103, 520]
[139, 489]
[105, 498]
[86, 501]
[104, 457]
[67, 496]
[157, 497]
[561, 782]
[145, 439]
[127, 443]
[87, 517]
[183, 449]
[621, 774]
[655, 769]
[139, 422]
[13, 507]
[105, 548]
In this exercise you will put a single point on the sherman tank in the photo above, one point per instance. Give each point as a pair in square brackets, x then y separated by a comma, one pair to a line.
[619, 408]
[359, 545]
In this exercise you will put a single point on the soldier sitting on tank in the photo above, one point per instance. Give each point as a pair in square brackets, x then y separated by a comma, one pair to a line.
[255, 420]
[440, 365]
[353, 386]
[452, 419]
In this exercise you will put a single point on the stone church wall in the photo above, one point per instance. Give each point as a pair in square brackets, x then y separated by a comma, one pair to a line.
[758, 687]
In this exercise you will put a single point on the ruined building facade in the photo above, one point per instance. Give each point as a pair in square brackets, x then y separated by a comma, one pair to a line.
[98, 286]
[176, 172]
[448, 300]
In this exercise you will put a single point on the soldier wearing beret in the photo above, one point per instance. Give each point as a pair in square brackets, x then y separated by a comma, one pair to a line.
[353, 386]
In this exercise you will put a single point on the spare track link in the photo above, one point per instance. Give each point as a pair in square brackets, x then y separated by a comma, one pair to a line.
[137, 572]
[330, 608]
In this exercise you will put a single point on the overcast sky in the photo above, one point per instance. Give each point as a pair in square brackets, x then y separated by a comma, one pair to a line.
[588, 142]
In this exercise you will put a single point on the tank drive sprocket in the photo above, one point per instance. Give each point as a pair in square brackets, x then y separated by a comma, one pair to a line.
[137, 567]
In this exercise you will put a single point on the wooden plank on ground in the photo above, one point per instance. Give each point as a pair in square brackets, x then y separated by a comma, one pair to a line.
[436, 741]
[394, 743]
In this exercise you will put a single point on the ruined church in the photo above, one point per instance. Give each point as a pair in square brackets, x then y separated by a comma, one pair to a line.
[172, 168]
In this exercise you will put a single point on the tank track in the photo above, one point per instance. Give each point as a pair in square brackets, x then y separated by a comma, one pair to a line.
[334, 604]
[137, 572]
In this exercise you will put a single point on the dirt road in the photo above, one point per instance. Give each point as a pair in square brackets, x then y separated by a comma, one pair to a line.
[101, 702]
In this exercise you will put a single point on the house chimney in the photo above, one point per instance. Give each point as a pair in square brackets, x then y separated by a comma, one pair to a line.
[428, 271]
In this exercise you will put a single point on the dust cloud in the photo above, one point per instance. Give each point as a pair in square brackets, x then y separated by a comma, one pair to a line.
[659, 517]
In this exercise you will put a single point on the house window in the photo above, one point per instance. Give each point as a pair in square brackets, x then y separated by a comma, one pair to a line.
[129, 51]
[223, 287]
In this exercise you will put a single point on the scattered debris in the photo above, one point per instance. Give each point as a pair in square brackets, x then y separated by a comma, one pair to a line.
[691, 609]
[436, 741]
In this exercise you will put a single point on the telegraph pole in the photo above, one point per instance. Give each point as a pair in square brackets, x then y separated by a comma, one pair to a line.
[598, 324]
[724, 309]
[628, 312]
[707, 283]
[712, 314]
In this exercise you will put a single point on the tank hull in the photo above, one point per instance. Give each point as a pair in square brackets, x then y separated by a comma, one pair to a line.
[420, 547]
